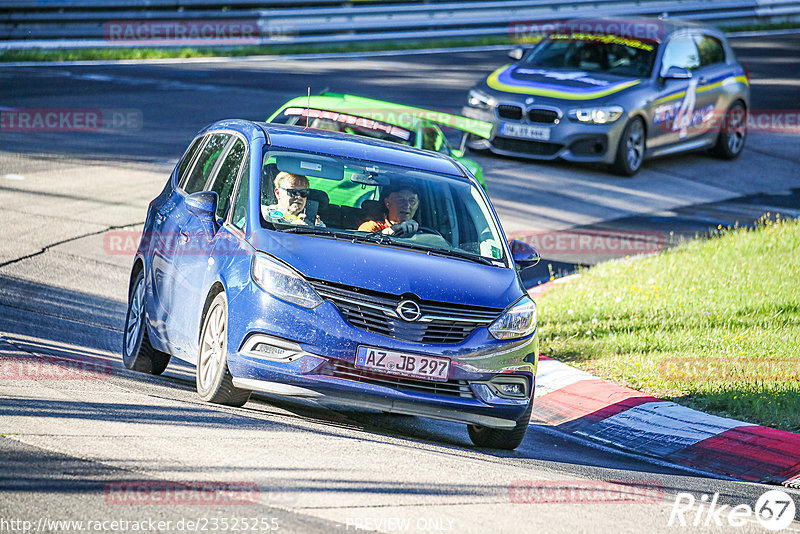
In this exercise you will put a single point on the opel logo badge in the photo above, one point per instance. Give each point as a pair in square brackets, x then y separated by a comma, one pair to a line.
[408, 310]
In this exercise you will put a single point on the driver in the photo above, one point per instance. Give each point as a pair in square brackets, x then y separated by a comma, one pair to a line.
[291, 192]
[401, 202]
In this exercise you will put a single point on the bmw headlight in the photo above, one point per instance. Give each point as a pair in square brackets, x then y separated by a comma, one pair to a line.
[519, 320]
[480, 100]
[596, 115]
[282, 282]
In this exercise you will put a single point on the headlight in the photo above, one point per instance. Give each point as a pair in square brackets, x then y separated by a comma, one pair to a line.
[480, 100]
[282, 282]
[598, 115]
[519, 320]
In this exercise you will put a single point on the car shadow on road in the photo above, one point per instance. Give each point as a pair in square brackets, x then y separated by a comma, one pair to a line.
[61, 336]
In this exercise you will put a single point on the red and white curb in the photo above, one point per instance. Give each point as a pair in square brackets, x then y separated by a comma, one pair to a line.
[598, 410]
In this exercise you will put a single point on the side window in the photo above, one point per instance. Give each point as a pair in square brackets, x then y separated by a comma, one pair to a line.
[226, 177]
[240, 202]
[205, 163]
[711, 50]
[681, 52]
[187, 158]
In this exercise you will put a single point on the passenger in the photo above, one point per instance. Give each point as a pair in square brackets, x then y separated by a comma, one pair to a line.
[401, 202]
[291, 192]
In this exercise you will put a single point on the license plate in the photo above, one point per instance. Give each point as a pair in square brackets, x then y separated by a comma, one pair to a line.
[540, 133]
[397, 363]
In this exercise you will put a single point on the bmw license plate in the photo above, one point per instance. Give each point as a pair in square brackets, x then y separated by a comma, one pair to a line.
[525, 131]
[397, 363]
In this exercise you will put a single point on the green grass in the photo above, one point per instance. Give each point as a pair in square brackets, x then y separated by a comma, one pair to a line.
[713, 324]
[78, 54]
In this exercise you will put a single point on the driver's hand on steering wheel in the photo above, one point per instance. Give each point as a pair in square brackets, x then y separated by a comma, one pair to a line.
[405, 228]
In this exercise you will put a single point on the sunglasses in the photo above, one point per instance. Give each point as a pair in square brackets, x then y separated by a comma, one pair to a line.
[296, 192]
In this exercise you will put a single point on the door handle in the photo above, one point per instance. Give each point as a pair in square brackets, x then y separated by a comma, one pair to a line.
[702, 80]
[183, 237]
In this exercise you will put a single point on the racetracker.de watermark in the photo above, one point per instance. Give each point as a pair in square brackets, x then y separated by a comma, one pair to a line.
[31, 120]
[583, 492]
[147, 492]
[183, 32]
[533, 31]
[53, 368]
[594, 242]
[730, 369]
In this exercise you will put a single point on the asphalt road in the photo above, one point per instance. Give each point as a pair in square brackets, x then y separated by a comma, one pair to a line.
[69, 442]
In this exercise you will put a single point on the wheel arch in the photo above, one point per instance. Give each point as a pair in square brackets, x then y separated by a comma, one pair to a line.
[215, 289]
[138, 266]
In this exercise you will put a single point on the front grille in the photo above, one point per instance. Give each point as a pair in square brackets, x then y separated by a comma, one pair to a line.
[535, 148]
[507, 111]
[346, 370]
[375, 312]
[542, 116]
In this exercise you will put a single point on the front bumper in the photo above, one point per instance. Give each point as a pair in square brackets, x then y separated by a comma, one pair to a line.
[314, 356]
[567, 139]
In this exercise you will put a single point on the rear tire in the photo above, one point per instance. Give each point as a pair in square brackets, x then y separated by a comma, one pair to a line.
[495, 438]
[733, 134]
[212, 377]
[631, 149]
[137, 352]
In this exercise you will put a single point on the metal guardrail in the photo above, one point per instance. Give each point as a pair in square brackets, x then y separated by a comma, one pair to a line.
[117, 23]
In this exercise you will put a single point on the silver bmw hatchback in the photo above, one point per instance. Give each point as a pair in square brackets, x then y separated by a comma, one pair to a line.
[616, 92]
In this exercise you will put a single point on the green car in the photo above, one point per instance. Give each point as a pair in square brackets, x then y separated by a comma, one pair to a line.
[416, 127]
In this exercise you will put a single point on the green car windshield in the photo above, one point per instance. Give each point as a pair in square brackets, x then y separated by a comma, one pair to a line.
[342, 194]
[344, 122]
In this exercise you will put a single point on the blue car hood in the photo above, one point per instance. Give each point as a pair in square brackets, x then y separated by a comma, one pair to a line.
[393, 270]
[569, 84]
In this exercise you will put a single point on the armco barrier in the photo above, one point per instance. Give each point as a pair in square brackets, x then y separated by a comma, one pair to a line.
[86, 23]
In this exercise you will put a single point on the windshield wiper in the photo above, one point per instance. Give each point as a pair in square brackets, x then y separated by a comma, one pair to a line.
[316, 230]
[444, 252]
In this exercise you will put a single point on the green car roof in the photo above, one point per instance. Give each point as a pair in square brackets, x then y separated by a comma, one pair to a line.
[387, 112]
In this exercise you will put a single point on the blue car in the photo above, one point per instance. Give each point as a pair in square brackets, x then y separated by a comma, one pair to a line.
[340, 303]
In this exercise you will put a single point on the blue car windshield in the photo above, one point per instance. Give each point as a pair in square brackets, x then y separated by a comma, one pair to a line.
[600, 53]
[385, 205]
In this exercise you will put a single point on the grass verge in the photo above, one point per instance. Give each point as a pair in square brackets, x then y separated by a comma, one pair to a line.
[79, 54]
[88, 54]
[713, 324]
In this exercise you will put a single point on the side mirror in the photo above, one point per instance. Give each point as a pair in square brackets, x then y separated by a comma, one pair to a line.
[516, 53]
[523, 254]
[203, 205]
[456, 153]
[677, 73]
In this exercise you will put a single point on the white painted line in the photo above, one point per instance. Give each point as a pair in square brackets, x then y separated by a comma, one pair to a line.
[763, 33]
[552, 375]
[658, 428]
[18, 177]
[557, 432]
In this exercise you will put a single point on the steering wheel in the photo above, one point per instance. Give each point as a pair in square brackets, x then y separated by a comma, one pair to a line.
[429, 230]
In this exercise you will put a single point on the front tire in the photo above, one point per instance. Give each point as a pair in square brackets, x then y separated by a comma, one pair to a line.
[137, 352]
[212, 377]
[631, 148]
[730, 141]
[495, 438]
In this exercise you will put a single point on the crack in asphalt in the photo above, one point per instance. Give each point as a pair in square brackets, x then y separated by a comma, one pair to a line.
[64, 241]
